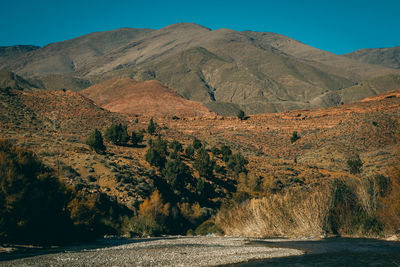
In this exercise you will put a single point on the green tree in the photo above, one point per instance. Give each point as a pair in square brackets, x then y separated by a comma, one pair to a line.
[136, 138]
[152, 127]
[176, 173]
[154, 158]
[95, 141]
[117, 134]
[354, 163]
[241, 115]
[203, 164]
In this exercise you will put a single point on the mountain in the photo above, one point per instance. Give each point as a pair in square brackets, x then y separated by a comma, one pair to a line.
[226, 70]
[149, 98]
[11, 80]
[388, 57]
[67, 56]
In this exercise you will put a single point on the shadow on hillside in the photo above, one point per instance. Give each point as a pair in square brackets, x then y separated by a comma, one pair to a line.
[20, 251]
[334, 252]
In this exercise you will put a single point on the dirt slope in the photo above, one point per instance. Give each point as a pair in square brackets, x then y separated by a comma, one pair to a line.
[149, 98]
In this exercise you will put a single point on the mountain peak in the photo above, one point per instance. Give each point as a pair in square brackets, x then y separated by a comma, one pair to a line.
[185, 26]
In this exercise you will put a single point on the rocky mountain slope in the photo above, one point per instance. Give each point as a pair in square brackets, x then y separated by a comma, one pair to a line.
[388, 57]
[224, 69]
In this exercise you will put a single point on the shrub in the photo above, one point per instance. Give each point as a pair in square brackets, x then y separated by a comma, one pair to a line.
[237, 163]
[136, 138]
[197, 144]
[117, 134]
[203, 164]
[152, 127]
[226, 152]
[176, 146]
[189, 151]
[355, 164]
[95, 141]
[176, 172]
[295, 137]
[215, 151]
[241, 115]
[154, 158]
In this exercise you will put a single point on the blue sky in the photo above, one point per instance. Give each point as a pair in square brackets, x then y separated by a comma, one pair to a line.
[338, 26]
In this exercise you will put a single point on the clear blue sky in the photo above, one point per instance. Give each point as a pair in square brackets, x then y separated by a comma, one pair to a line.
[339, 26]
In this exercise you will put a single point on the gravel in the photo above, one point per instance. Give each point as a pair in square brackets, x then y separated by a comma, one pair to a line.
[165, 251]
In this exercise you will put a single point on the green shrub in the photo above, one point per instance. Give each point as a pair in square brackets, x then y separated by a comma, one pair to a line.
[295, 137]
[207, 227]
[203, 164]
[136, 138]
[355, 164]
[95, 141]
[241, 115]
[176, 146]
[176, 172]
[189, 151]
[237, 163]
[117, 134]
[152, 127]
[197, 144]
[226, 152]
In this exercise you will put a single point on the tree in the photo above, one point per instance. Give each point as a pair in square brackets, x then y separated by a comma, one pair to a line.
[152, 127]
[241, 115]
[294, 137]
[355, 164]
[136, 138]
[155, 158]
[203, 164]
[95, 141]
[176, 173]
[237, 163]
[117, 134]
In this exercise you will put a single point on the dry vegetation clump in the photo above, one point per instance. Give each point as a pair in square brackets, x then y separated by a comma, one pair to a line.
[345, 207]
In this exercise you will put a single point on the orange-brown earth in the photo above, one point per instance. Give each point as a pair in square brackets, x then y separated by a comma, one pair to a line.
[55, 124]
[150, 98]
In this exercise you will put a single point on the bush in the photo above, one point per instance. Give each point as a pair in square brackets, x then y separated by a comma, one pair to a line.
[241, 115]
[189, 151]
[226, 152]
[152, 127]
[215, 151]
[136, 138]
[295, 137]
[155, 159]
[197, 144]
[95, 141]
[176, 173]
[237, 163]
[203, 164]
[117, 134]
[176, 146]
[355, 164]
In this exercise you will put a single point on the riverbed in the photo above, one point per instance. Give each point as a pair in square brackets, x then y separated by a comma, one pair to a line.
[211, 251]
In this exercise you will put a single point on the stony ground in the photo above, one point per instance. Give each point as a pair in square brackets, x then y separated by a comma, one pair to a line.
[167, 251]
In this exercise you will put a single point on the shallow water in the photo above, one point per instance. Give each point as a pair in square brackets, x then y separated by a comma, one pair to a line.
[335, 252]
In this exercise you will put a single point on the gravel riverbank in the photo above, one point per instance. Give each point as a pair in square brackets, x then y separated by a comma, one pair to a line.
[166, 251]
